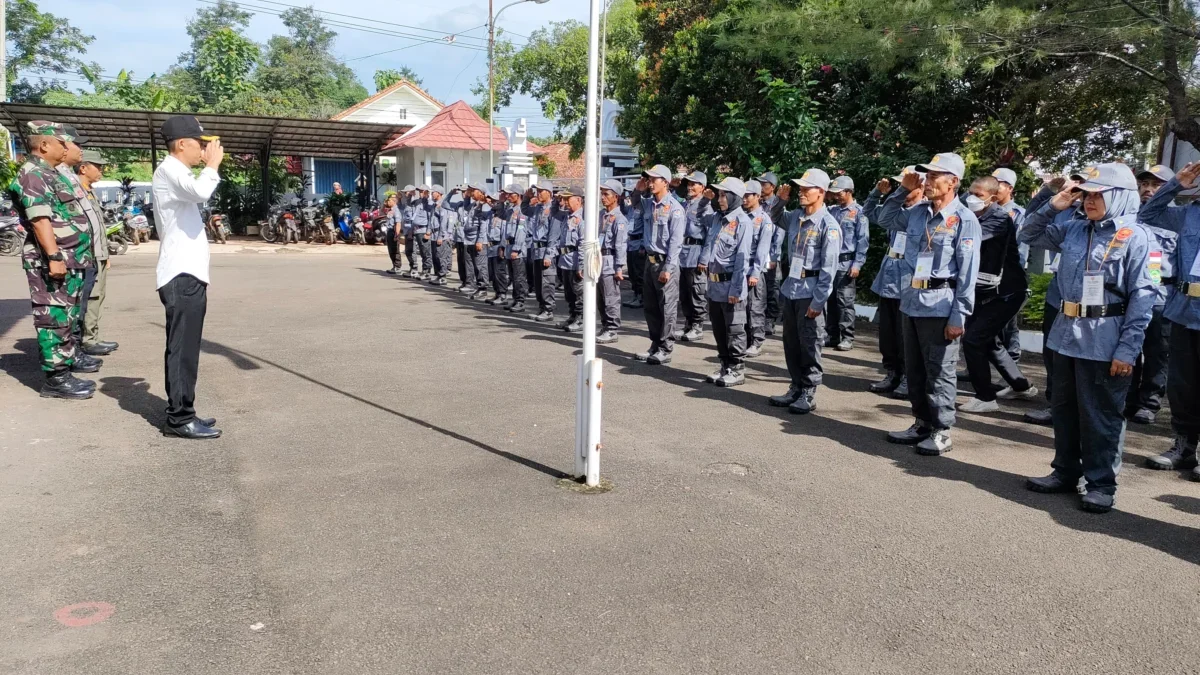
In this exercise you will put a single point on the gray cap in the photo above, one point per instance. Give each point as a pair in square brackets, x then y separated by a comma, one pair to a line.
[753, 187]
[842, 183]
[733, 185]
[1159, 171]
[544, 185]
[659, 171]
[514, 189]
[460, 187]
[423, 187]
[613, 185]
[438, 189]
[409, 188]
[697, 177]
[769, 177]
[1006, 176]
[494, 196]
[813, 178]
[945, 162]
[907, 170]
[1104, 177]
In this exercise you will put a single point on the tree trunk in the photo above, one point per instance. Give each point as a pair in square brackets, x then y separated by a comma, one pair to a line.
[1184, 125]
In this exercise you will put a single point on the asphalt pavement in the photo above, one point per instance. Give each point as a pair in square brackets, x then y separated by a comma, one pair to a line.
[386, 499]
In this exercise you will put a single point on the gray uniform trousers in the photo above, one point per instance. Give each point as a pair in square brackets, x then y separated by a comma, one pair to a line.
[1183, 381]
[1089, 424]
[930, 362]
[802, 341]
[520, 282]
[498, 271]
[426, 248]
[756, 312]
[841, 308]
[572, 292]
[729, 330]
[1150, 370]
[410, 252]
[610, 302]
[662, 306]
[441, 258]
[693, 286]
[479, 260]
[772, 292]
[891, 335]
[544, 285]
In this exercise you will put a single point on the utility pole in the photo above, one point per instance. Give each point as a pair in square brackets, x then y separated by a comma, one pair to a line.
[491, 85]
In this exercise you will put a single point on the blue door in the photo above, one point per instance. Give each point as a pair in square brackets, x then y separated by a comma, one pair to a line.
[329, 171]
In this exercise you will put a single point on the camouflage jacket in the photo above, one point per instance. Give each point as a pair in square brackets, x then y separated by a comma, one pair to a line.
[39, 191]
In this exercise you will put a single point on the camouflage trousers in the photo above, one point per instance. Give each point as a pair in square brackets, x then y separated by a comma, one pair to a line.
[55, 314]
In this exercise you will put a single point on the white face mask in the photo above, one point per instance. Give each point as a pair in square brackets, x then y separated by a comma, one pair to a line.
[975, 203]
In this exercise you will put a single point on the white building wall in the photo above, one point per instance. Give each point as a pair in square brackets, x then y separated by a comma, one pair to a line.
[403, 106]
[460, 166]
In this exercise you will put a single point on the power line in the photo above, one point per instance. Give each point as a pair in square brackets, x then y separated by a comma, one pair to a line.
[360, 58]
[373, 20]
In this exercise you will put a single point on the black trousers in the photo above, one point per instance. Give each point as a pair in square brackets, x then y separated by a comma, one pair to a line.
[891, 335]
[1011, 336]
[520, 283]
[1089, 427]
[637, 270]
[498, 269]
[841, 308]
[426, 248]
[772, 291]
[1049, 314]
[89, 282]
[729, 330]
[392, 248]
[983, 344]
[461, 257]
[479, 260]
[186, 300]
[1183, 381]
[1150, 370]
[693, 287]
[410, 252]
[662, 307]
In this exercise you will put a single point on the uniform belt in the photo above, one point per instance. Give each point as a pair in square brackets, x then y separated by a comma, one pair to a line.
[845, 257]
[1192, 290]
[608, 251]
[541, 244]
[655, 258]
[1076, 310]
[1168, 281]
[693, 241]
[932, 284]
[510, 241]
[635, 237]
[719, 278]
[895, 256]
[804, 274]
[566, 250]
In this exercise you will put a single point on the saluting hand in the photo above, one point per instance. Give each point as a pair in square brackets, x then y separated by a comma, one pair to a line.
[212, 154]
[1187, 176]
[784, 191]
[1120, 368]
[911, 181]
[884, 186]
[1066, 197]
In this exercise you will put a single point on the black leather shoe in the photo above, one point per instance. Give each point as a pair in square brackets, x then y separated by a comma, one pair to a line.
[62, 385]
[886, 385]
[96, 349]
[1054, 484]
[207, 421]
[1042, 416]
[194, 430]
[86, 364]
[111, 346]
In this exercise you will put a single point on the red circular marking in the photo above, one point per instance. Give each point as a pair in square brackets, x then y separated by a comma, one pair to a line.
[84, 614]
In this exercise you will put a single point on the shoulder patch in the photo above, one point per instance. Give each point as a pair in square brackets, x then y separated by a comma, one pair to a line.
[952, 222]
[967, 244]
[1124, 234]
[1012, 213]
[853, 213]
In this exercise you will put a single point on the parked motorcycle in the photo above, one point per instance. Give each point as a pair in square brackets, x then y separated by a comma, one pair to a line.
[12, 235]
[114, 231]
[137, 225]
[216, 225]
[344, 226]
[375, 223]
[310, 219]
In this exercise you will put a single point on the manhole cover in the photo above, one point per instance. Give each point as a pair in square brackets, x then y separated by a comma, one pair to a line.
[727, 468]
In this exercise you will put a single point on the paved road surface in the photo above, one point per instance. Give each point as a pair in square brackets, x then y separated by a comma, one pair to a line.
[384, 500]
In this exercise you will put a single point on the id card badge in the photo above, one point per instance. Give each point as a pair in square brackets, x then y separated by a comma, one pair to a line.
[899, 243]
[1093, 288]
[924, 268]
[1054, 263]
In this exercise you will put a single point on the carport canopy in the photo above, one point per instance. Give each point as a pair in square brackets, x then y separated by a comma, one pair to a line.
[240, 134]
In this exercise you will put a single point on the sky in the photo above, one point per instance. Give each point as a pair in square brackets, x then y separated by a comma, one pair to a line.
[147, 36]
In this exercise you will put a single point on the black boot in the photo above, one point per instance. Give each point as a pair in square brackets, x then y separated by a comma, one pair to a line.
[887, 384]
[86, 364]
[60, 384]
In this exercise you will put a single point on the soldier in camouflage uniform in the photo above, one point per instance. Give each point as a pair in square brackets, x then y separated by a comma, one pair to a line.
[57, 251]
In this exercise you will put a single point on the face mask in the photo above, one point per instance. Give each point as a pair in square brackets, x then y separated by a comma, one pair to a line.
[975, 203]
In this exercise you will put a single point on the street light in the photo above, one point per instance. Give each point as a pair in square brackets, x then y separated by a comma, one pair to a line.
[492, 16]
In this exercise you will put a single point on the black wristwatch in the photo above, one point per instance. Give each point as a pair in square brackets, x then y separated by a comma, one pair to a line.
[57, 256]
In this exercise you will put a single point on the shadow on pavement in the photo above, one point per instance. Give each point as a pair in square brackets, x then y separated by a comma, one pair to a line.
[24, 365]
[12, 312]
[1186, 504]
[247, 361]
[1176, 540]
[134, 396]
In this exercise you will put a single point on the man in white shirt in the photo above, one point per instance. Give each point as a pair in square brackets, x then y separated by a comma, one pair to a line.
[183, 264]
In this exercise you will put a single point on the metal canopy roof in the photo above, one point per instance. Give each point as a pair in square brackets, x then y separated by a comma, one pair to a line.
[138, 129]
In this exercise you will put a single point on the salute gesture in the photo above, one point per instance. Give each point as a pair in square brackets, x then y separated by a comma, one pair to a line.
[911, 181]
[1066, 196]
[1187, 175]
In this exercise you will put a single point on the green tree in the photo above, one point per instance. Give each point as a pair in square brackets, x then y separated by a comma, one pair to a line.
[224, 63]
[388, 77]
[299, 67]
[552, 67]
[40, 42]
